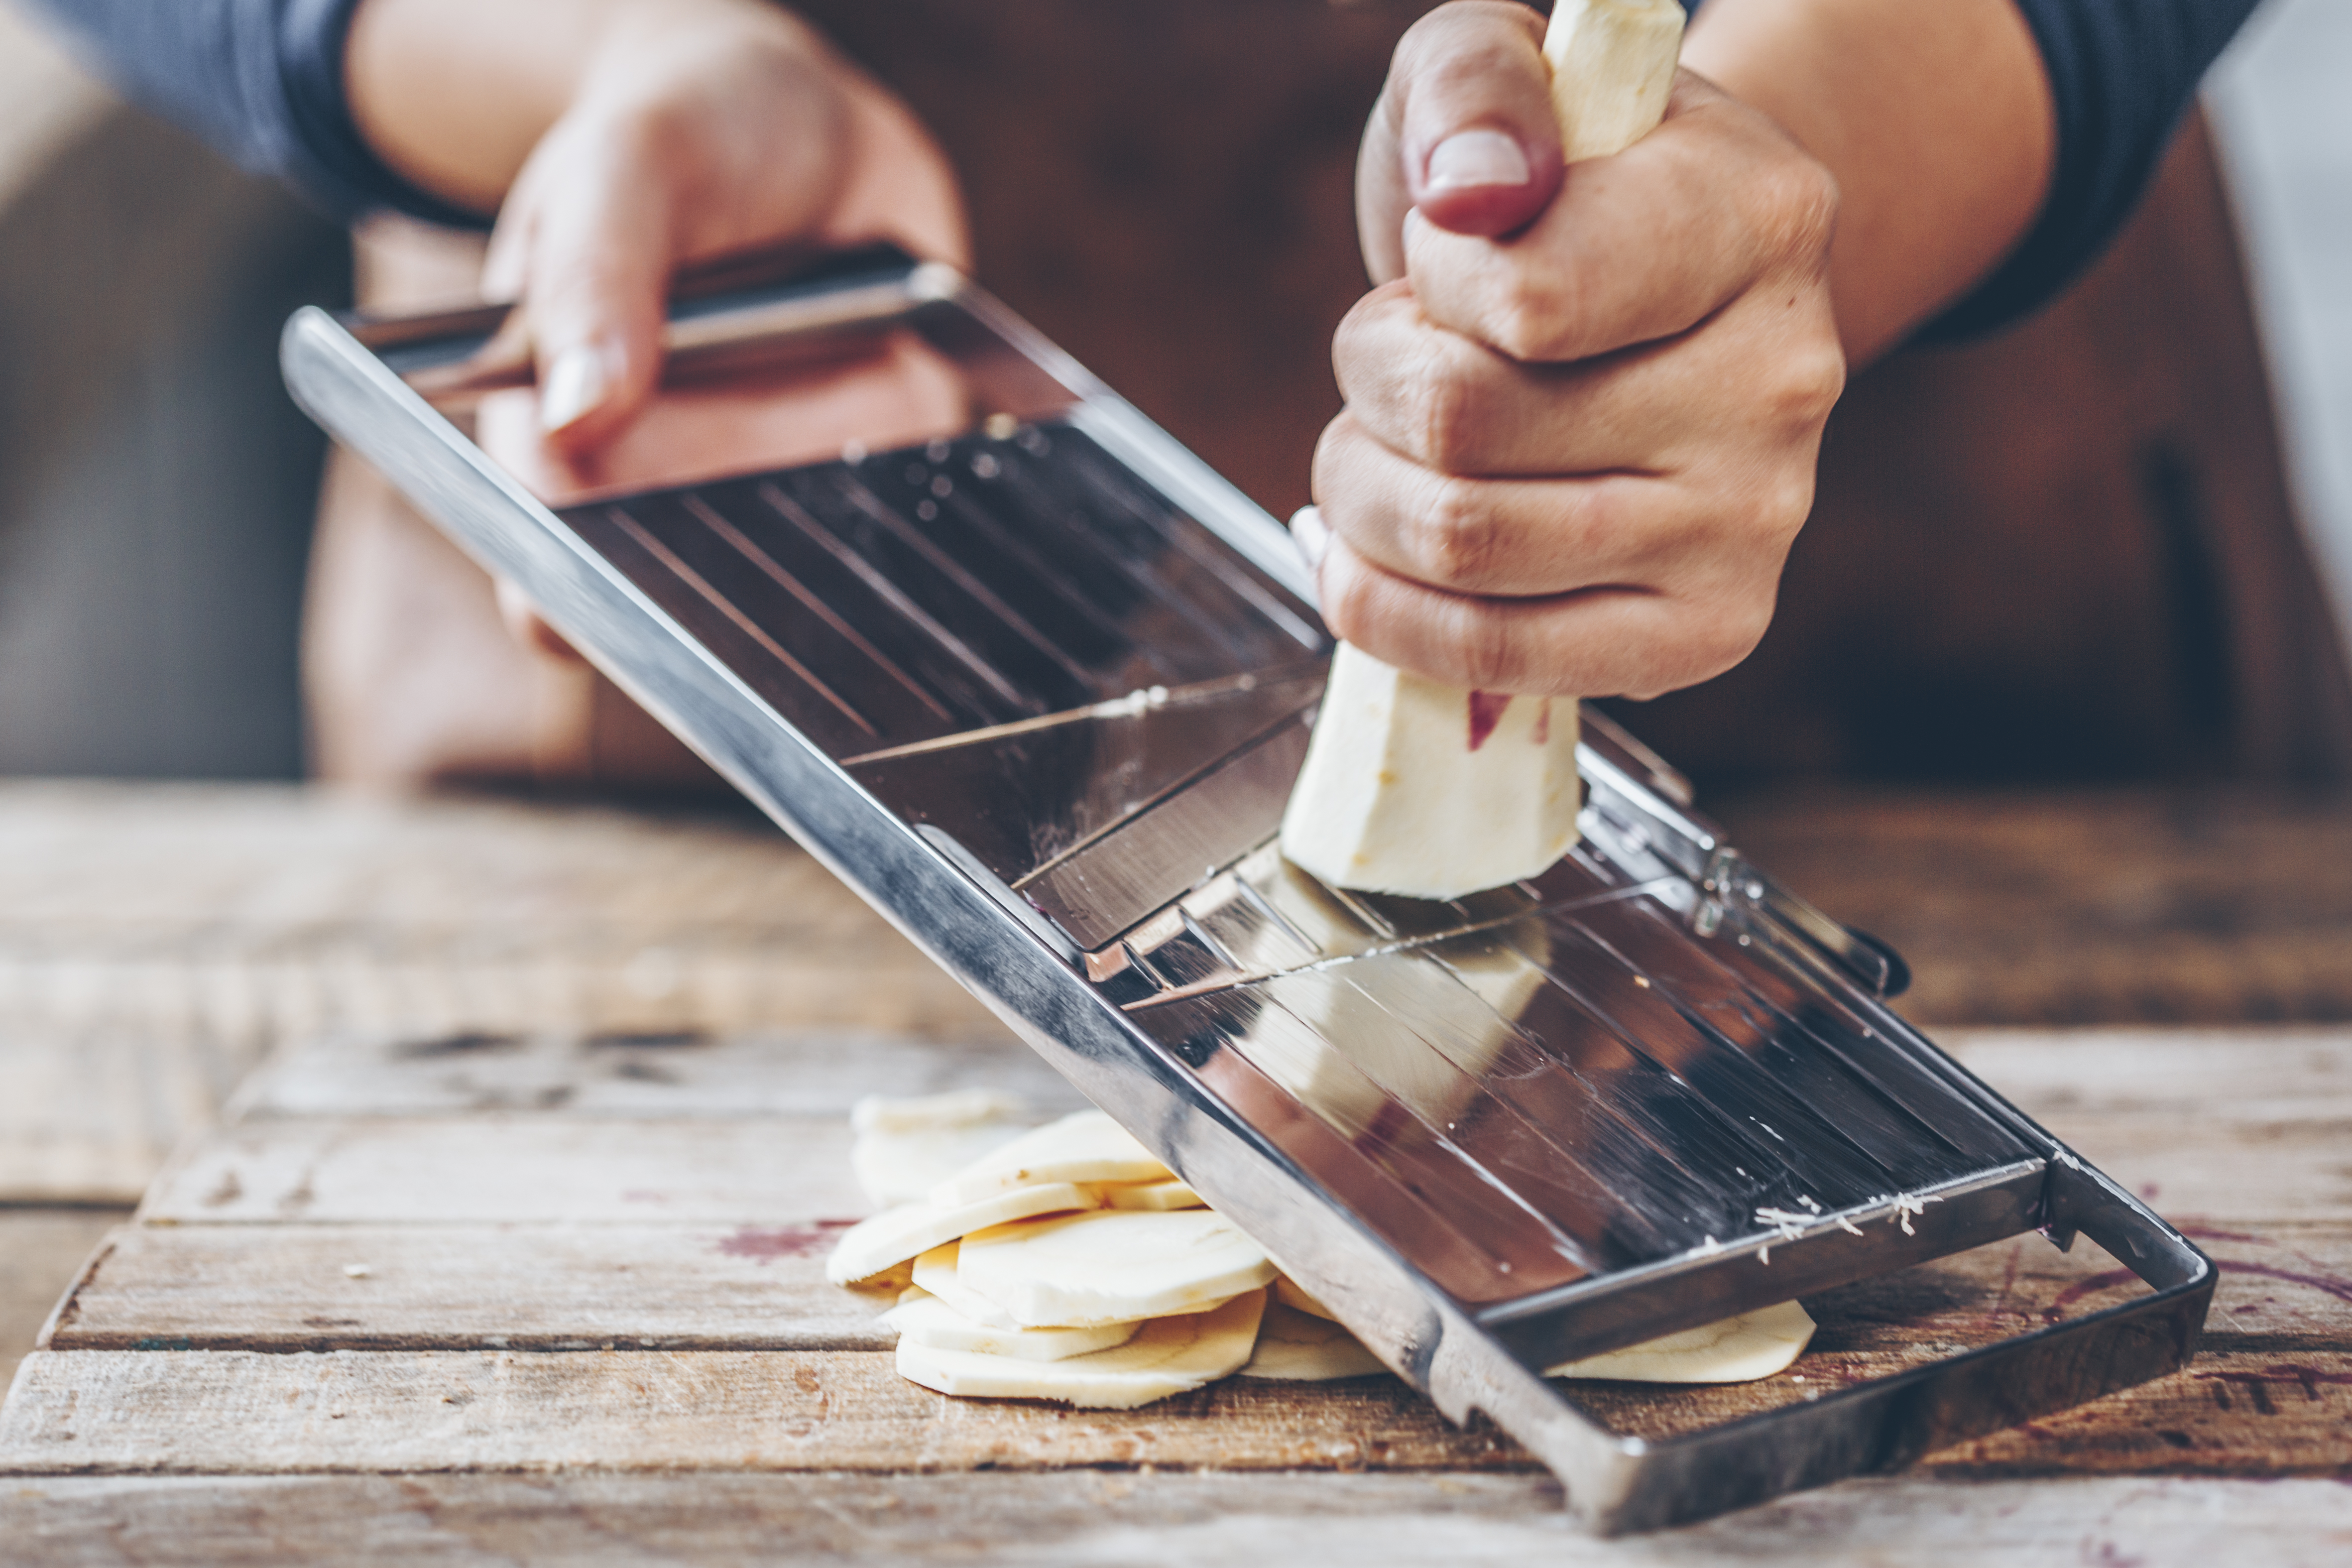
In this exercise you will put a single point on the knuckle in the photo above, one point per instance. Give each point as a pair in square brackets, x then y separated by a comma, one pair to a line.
[1490, 653]
[1801, 196]
[1445, 414]
[1811, 380]
[1529, 316]
[1454, 537]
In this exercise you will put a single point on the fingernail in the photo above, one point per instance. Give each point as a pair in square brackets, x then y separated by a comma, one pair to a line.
[1312, 534]
[1476, 158]
[575, 384]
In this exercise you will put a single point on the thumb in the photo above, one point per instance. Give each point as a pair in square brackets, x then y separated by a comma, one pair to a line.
[597, 280]
[1465, 133]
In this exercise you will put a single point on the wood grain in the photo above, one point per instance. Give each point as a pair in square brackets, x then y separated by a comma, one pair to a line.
[248, 1413]
[288, 1287]
[1165, 1519]
[515, 1169]
[628, 1074]
[2046, 908]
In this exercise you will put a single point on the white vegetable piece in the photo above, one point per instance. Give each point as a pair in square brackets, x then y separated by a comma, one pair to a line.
[928, 1320]
[1612, 65]
[935, 1271]
[1087, 1146]
[1736, 1350]
[895, 1235]
[1108, 1267]
[936, 1112]
[1171, 1193]
[1299, 1347]
[1429, 791]
[906, 1147]
[1167, 1355]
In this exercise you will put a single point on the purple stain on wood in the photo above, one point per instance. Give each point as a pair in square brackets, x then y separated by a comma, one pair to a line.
[2081, 1288]
[1543, 723]
[785, 1241]
[1486, 713]
[2340, 1289]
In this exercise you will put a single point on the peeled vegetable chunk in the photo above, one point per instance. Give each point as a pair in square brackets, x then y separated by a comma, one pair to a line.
[1109, 1266]
[1736, 1350]
[1167, 1355]
[1297, 1347]
[1613, 64]
[1085, 1147]
[896, 1236]
[925, 1319]
[1429, 791]
[936, 1112]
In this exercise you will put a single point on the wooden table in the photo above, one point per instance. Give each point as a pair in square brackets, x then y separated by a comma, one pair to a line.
[505, 1256]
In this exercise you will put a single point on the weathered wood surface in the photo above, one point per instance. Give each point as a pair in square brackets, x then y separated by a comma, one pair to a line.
[157, 943]
[484, 1118]
[682, 1073]
[1145, 1520]
[291, 1287]
[2089, 906]
[226, 1331]
[516, 1168]
[2271, 1392]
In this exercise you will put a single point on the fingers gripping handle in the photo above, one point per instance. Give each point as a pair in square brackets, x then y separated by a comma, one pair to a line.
[1613, 64]
[1413, 787]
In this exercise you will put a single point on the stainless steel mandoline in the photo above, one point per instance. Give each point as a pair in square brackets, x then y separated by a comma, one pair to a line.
[1035, 680]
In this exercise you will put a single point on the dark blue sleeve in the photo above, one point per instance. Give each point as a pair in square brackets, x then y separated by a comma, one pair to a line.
[2122, 74]
[260, 79]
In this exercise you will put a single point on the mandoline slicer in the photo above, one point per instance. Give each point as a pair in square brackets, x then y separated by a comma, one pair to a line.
[1035, 680]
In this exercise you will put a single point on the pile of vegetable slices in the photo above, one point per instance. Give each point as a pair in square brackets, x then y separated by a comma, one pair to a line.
[1065, 1262]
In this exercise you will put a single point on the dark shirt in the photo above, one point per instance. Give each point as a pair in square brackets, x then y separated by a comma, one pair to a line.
[262, 80]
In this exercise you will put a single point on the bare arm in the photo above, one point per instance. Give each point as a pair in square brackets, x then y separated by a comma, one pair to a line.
[1935, 119]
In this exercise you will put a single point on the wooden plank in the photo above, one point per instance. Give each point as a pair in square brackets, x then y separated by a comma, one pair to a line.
[89, 1113]
[292, 1286]
[1166, 1520]
[621, 1073]
[250, 1413]
[2268, 1391]
[497, 1169]
[2220, 1167]
[242, 1412]
[244, 916]
[2283, 1074]
[2038, 908]
[287, 1287]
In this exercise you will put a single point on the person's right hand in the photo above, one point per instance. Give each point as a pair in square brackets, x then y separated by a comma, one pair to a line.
[1584, 405]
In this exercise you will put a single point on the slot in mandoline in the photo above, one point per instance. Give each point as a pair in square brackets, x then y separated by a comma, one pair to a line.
[1037, 686]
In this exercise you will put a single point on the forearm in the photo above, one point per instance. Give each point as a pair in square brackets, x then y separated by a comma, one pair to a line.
[1935, 116]
[454, 94]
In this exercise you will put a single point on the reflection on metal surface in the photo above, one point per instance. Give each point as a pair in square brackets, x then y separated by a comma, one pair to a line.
[1037, 683]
